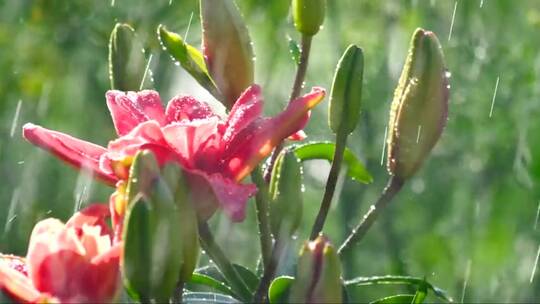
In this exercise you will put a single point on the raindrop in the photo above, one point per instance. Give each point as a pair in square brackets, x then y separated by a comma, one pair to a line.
[452, 23]
[15, 119]
[494, 96]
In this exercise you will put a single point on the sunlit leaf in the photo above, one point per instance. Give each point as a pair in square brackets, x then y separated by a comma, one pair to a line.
[325, 150]
[202, 279]
[395, 299]
[189, 58]
[207, 297]
[279, 289]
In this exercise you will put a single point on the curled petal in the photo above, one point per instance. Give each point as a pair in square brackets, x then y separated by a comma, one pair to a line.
[187, 108]
[246, 109]
[93, 215]
[257, 140]
[79, 153]
[130, 109]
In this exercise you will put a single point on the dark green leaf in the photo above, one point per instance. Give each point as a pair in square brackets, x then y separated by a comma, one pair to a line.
[189, 58]
[202, 279]
[420, 294]
[395, 299]
[250, 278]
[325, 150]
[126, 59]
[279, 289]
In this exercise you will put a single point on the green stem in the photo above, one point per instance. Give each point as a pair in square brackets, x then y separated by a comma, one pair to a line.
[392, 188]
[305, 50]
[261, 203]
[208, 243]
[331, 183]
[261, 295]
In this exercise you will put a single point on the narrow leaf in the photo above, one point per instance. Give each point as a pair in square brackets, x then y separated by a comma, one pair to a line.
[202, 279]
[126, 59]
[325, 150]
[395, 299]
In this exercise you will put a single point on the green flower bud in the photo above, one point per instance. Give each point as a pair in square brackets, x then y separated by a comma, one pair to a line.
[346, 95]
[308, 15]
[126, 59]
[227, 48]
[420, 106]
[159, 228]
[318, 278]
[286, 195]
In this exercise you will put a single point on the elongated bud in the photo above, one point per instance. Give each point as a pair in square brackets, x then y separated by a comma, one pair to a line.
[308, 15]
[420, 106]
[346, 96]
[286, 195]
[156, 234]
[126, 59]
[227, 48]
[318, 278]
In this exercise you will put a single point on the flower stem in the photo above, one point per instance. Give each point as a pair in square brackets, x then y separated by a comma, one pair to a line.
[305, 50]
[208, 243]
[261, 295]
[392, 188]
[261, 203]
[331, 183]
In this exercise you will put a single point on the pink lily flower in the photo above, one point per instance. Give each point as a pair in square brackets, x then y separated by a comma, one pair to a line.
[67, 263]
[216, 153]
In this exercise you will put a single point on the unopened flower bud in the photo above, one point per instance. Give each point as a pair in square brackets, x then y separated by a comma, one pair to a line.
[126, 59]
[227, 48]
[318, 278]
[420, 106]
[346, 95]
[286, 195]
[308, 15]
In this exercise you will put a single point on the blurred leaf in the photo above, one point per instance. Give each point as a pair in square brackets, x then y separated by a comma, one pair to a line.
[420, 294]
[389, 279]
[396, 299]
[294, 49]
[189, 58]
[279, 289]
[250, 278]
[202, 279]
[325, 150]
[207, 297]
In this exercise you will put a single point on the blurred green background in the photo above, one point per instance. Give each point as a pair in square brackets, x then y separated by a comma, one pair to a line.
[467, 221]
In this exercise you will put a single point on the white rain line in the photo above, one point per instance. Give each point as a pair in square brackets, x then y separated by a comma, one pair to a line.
[535, 264]
[418, 135]
[15, 119]
[188, 27]
[537, 215]
[481, 3]
[466, 281]
[384, 144]
[170, 2]
[494, 96]
[146, 71]
[452, 23]
[112, 3]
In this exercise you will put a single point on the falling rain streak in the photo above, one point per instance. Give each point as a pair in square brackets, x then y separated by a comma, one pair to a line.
[188, 27]
[418, 135]
[535, 265]
[466, 280]
[494, 96]
[452, 23]
[15, 119]
[537, 214]
[145, 72]
[481, 3]
[384, 144]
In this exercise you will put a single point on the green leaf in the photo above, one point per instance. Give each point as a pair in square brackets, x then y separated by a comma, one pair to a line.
[250, 278]
[126, 59]
[189, 58]
[202, 279]
[207, 297]
[407, 280]
[325, 150]
[279, 289]
[395, 299]
[420, 294]
[294, 49]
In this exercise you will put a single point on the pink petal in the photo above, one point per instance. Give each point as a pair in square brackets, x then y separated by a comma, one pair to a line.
[255, 142]
[182, 108]
[93, 215]
[246, 109]
[130, 109]
[207, 190]
[195, 141]
[298, 136]
[79, 153]
[18, 286]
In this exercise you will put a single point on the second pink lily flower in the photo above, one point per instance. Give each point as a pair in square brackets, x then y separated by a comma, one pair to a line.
[216, 153]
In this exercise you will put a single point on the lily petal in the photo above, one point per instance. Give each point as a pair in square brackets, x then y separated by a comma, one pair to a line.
[93, 215]
[246, 109]
[186, 108]
[79, 153]
[130, 109]
[18, 286]
[256, 141]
